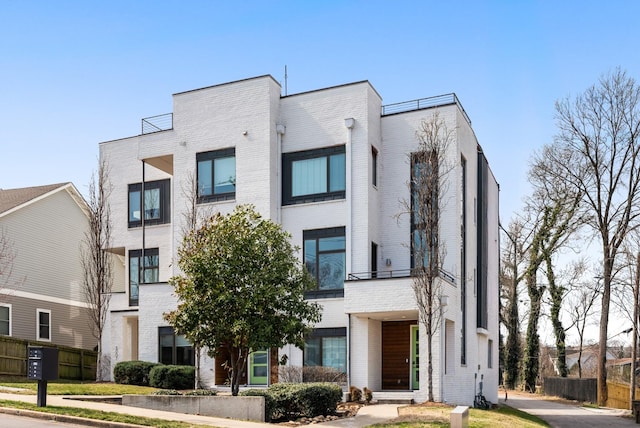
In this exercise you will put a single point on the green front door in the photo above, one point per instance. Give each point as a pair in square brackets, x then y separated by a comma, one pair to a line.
[259, 368]
[415, 358]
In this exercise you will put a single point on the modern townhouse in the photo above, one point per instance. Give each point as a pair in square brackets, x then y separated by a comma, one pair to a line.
[333, 167]
[41, 294]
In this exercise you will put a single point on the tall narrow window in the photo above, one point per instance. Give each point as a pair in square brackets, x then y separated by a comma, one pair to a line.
[216, 175]
[374, 260]
[5, 319]
[374, 166]
[156, 204]
[425, 210]
[142, 271]
[482, 315]
[43, 322]
[490, 354]
[313, 175]
[324, 258]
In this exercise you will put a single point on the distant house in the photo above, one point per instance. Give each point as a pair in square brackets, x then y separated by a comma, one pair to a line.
[332, 167]
[41, 294]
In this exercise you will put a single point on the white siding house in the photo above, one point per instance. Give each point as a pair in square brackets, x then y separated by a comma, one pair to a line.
[332, 166]
[41, 294]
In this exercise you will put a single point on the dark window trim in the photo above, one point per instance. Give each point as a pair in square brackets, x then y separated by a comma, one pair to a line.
[138, 254]
[165, 199]
[166, 331]
[374, 166]
[287, 161]
[319, 333]
[212, 155]
[316, 234]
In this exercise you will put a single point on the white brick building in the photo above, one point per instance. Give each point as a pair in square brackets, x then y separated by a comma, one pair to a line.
[332, 166]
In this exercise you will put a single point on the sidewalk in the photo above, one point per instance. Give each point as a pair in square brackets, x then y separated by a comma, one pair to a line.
[367, 415]
[562, 415]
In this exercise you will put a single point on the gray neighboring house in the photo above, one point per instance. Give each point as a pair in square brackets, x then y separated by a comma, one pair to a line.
[41, 295]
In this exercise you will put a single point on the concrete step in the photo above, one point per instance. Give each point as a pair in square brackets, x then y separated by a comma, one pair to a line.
[393, 397]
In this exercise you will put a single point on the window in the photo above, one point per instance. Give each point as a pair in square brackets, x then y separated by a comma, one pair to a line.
[374, 260]
[324, 258]
[5, 319]
[314, 175]
[424, 209]
[463, 261]
[374, 166]
[156, 203]
[142, 273]
[327, 347]
[174, 349]
[216, 175]
[490, 354]
[43, 323]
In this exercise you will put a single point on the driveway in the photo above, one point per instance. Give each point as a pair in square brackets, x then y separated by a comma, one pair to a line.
[561, 415]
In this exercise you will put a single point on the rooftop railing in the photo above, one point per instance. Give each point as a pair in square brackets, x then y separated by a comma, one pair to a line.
[422, 103]
[161, 122]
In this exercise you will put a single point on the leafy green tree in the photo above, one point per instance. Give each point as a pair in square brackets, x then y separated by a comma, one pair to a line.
[242, 289]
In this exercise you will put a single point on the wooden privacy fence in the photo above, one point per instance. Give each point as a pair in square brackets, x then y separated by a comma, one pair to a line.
[73, 363]
[571, 388]
[619, 395]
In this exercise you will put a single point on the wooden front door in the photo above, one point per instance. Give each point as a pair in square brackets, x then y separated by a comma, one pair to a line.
[396, 355]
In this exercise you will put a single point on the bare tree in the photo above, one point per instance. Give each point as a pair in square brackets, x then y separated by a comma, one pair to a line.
[598, 133]
[95, 258]
[581, 306]
[8, 280]
[430, 169]
[192, 217]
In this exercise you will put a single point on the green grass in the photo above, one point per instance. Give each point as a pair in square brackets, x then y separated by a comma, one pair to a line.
[62, 387]
[99, 415]
[438, 417]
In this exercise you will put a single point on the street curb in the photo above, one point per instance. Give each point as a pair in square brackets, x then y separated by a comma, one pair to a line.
[68, 419]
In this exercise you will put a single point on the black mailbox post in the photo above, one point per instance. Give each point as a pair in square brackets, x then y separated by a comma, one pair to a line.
[42, 366]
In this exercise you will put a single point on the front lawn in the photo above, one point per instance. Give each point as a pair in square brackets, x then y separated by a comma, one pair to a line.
[65, 387]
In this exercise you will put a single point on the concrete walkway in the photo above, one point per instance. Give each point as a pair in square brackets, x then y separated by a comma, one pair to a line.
[561, 415]
[367, 415]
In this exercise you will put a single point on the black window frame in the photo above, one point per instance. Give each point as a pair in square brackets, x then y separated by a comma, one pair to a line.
[148, 252]
[212, 156]
[40, 325]
[8, 320]
[287, 176]
[321, 333]
[165, 202]
[374, 166]
[170, 332]
[317, 234]
[417, 224]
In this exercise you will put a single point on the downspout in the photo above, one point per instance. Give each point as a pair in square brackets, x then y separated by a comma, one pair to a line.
[348, 352]
[349, 123]
[280, 129]
[142, 215]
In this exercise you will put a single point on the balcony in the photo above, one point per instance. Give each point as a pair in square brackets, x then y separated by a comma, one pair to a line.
[162, 122]
[423, 103]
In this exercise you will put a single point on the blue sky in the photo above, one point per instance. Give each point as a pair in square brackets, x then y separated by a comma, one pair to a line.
[75, 73]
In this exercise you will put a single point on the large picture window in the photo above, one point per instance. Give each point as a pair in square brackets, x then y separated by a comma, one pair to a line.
[425, 210]
[216, 175]
[142, 271]
[324, 258]
[314, 175]
[174, 348]
[327, 347]
[156, 204]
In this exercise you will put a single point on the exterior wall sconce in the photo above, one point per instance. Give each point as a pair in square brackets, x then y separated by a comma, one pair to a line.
[387, 262]
[444, 301]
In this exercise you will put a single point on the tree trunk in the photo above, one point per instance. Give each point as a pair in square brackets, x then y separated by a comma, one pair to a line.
[430, 364]
[556, 304]
[634, 342]
[238, 359]
[603, 393]
[532, 350]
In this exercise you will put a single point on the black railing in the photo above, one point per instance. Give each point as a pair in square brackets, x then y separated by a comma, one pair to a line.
[161, 122]
[422, 103]
[399, 273]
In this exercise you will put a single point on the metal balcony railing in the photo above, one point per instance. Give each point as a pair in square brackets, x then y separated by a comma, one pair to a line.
[399, 273]
[161, 122]
[422, 103]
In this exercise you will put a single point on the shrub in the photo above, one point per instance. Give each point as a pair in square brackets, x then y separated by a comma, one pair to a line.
[291, 400]
[172, 377]
[270, 412]
[133, 372]
[355, 393]
[323, 374]
[196, 392]
[368, 395]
